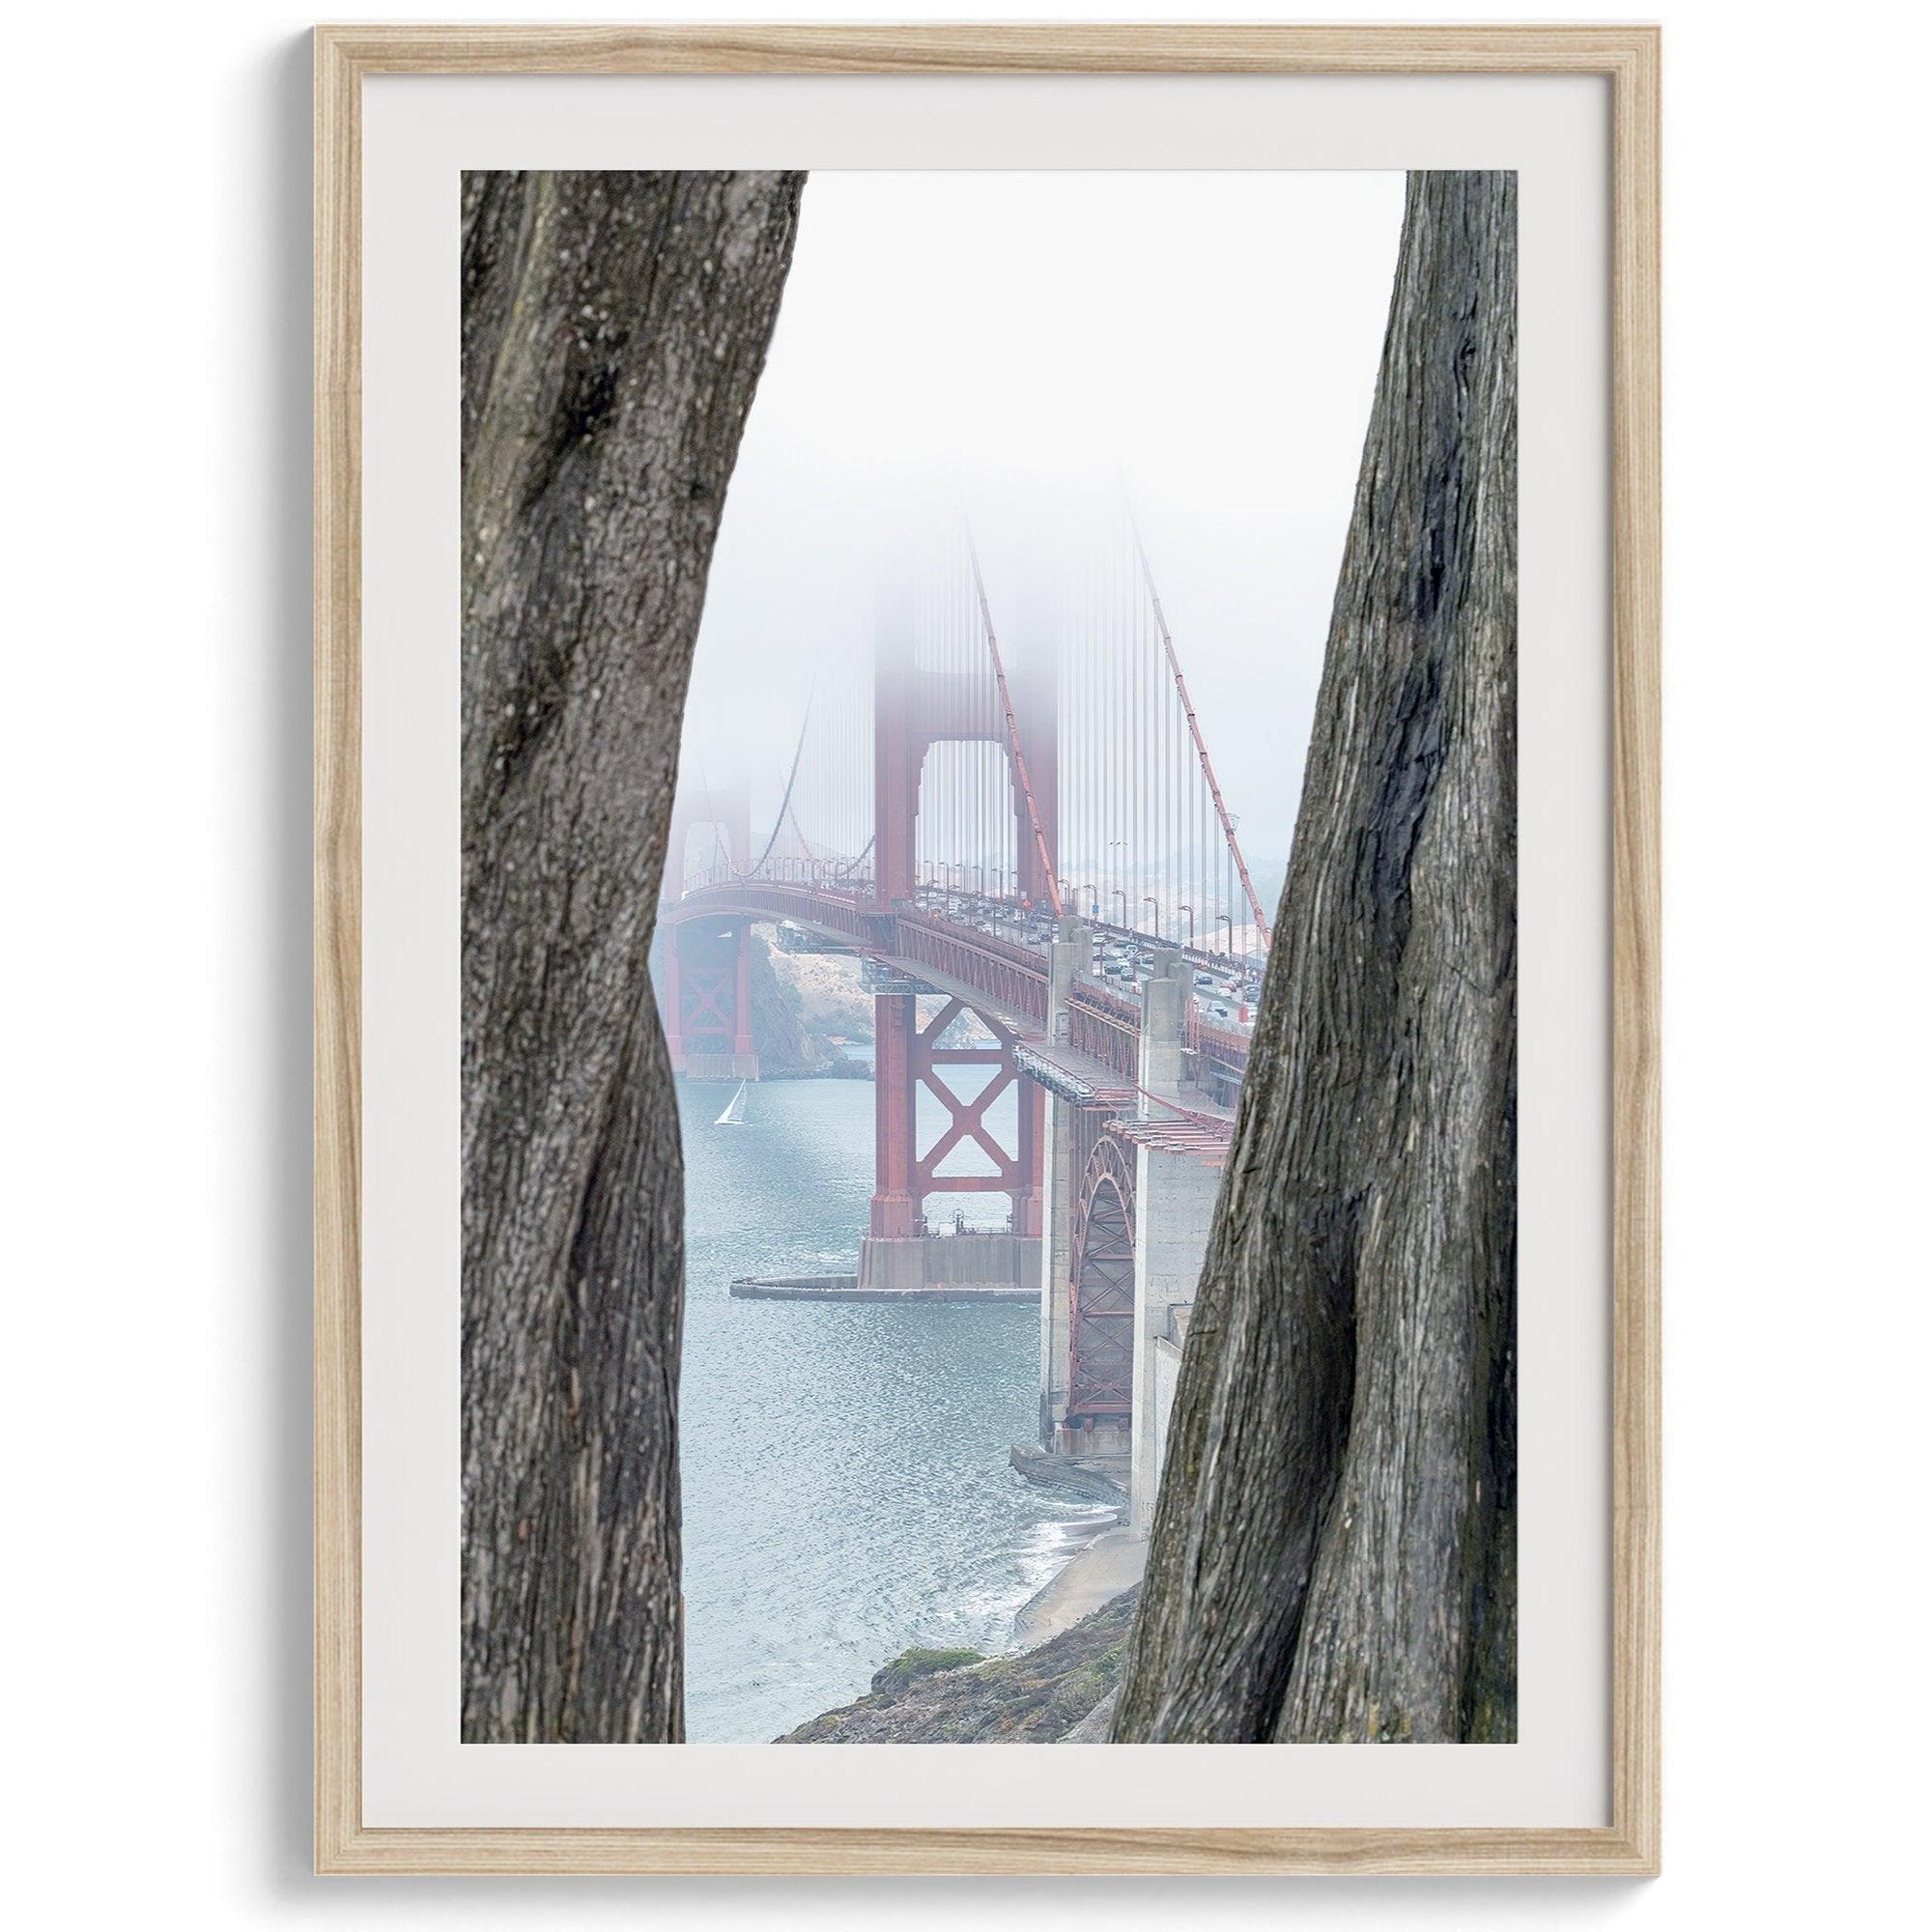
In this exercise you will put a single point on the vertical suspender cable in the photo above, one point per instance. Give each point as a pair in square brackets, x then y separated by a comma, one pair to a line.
[1141, 762]
[1241, 864]
[1047, 866]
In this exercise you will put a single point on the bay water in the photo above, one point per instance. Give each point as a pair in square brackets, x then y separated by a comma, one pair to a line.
[847, 1492]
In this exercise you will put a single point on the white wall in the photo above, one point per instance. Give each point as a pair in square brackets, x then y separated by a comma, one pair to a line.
[155, 453]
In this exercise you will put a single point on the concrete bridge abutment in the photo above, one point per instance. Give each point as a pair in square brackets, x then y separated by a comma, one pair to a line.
[1174, 1213]
[1114, 1418]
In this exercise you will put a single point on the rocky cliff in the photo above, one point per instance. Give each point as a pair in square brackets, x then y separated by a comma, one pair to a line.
[1036, 1696]
[792, 1023]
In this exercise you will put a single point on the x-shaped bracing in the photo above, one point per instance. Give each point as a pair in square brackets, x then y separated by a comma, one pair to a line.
[967, 1118]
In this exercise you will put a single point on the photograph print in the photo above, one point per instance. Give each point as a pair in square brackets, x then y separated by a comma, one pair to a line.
[989, 957]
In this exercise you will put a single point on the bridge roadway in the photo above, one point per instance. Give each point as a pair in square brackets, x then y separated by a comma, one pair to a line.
[1008, 981]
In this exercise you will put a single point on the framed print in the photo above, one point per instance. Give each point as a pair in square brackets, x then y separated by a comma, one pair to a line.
[986, 949]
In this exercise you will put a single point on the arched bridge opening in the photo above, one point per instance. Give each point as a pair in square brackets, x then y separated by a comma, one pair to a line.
[1101, 1313]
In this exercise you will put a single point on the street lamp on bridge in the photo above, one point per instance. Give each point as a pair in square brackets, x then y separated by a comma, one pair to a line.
[1183, 906]
[1088, 887]
[1149, 900]
[1120, 894]
[1230, 918]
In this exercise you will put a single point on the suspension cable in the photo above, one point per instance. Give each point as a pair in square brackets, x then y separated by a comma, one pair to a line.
[1200, 743]
[784, 803]
[1013, 734]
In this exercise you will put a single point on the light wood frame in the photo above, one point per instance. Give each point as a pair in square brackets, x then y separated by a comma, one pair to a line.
[1628, 56]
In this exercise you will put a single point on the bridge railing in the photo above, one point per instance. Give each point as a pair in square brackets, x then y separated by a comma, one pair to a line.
[844, 912]
[836, 875]
[988, 943]
[1013, 975]
[1106, 1027]
[1220, 1057]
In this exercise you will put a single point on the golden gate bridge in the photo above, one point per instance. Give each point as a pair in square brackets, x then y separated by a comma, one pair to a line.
[1037, 848]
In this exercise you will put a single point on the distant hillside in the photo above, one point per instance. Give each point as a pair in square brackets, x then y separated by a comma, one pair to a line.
[827, 993]
[801, 1005]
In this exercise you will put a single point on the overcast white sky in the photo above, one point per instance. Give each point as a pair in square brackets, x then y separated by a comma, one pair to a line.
[1024, 342]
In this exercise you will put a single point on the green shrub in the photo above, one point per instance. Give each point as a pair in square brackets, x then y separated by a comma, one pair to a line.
[910, 1665]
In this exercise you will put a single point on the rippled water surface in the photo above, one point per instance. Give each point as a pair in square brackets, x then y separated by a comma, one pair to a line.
[846, 1489]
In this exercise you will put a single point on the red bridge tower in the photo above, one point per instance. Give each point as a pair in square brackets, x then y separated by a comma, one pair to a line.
[914, 709]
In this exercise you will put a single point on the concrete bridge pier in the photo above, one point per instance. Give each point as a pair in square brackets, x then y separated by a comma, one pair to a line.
[1175, 1210]
[1174, 1197]
[1126, 1231]
[1163, 1030]
[1069, 954]
[1058, 1188]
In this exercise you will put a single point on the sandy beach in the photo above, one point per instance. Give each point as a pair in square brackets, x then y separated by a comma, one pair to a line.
[1111, 1563]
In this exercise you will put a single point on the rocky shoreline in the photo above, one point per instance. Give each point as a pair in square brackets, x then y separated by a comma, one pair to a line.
[1041, 1696]
[1055, 1687]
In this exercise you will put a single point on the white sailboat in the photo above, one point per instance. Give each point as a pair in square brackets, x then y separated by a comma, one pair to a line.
[733, 1115]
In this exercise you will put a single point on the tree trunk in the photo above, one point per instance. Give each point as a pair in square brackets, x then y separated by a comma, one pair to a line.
[1333, 1549]
[613, 331]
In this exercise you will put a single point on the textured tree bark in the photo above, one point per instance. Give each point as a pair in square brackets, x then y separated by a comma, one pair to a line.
[614, 330]
[1333, 1549]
